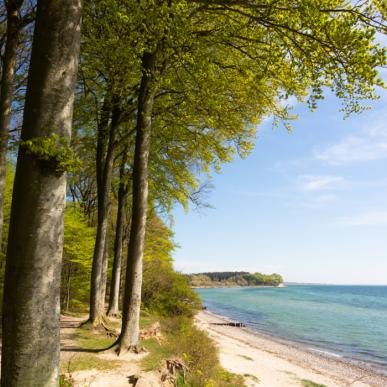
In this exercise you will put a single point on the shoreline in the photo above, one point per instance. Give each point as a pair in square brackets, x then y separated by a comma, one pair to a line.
[278, 362]
[307, 346]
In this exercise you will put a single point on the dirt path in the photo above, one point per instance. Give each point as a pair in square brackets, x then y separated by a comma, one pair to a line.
[123, 367]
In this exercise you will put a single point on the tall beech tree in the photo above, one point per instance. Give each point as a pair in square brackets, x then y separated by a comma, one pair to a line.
[107, 74]
[106, 145]
[16, 21]
[119, 240]
[128, 339]
[96, 142]
[7, 80]
[31, 310]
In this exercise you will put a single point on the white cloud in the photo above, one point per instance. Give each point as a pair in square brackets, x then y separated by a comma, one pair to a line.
[372, 218]
[353, 149]
[369, 144]
[319, 183]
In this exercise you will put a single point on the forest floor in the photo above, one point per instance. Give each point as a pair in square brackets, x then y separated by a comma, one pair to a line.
[84, 364]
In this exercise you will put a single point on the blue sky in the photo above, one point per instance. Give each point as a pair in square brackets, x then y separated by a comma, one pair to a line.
[310, 205]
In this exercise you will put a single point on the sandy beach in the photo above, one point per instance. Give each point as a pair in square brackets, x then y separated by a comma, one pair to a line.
[270, 363]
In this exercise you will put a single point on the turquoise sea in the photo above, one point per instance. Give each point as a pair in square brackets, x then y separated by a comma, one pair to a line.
[344, 321]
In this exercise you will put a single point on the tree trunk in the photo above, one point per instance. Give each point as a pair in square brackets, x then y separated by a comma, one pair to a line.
[104, 179]
[31, 309]
[7, 81]
[129, 337]
[104, 271]
[118, 241]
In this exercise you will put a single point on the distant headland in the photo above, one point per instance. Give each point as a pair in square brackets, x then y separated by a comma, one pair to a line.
[233, 278]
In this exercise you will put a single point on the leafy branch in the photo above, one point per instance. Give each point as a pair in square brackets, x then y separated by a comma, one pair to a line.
[53, 150]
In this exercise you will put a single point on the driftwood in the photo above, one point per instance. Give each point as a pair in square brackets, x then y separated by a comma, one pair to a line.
[164, 377]
[173, 368]
[231, 324]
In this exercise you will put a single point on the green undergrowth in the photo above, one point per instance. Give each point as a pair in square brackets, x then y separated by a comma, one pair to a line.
[158, 353]
[182, 340]
[147, 319]
[65, 381]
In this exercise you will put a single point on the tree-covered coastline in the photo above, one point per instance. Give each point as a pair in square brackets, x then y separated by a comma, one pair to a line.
[94, 157]
[234, 278]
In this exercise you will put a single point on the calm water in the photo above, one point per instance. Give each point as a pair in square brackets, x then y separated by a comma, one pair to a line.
[350, 321]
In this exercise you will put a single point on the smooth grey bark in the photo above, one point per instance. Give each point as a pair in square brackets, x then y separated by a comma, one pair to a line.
[105, 266]
[96, 306]
[6, 94]
[104, 162]
[31, 309]
[129, 337]
[114, 295]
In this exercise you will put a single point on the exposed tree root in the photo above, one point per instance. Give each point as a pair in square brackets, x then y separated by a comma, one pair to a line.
[111, 332]
[101, 323]
[137, 349]
[119, 350]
